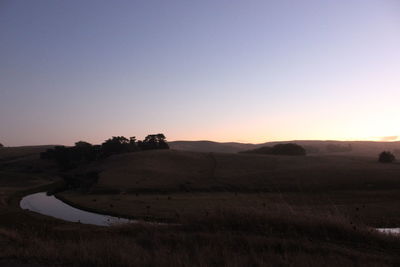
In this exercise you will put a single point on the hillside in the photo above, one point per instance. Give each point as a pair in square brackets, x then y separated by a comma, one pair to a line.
[192, 183]
[209, 146]
[9, 153]
[360, 148]
[196, 171]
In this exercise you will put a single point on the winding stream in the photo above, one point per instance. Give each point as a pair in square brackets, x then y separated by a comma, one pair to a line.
[395, 231]
[51, 206]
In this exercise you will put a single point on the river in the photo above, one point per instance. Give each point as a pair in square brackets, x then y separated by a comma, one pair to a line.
[51, 206]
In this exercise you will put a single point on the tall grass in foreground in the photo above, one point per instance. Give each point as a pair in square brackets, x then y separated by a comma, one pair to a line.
[218, 238]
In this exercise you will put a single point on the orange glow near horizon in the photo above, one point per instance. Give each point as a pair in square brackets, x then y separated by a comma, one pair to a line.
[250, 71]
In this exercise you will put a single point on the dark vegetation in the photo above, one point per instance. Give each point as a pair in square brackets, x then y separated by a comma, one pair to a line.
[218, 238]
[289, 149]
[1, 145]
[386, 157]
[83, 152]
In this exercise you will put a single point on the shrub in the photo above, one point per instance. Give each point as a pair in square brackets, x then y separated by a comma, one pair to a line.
[386, 157]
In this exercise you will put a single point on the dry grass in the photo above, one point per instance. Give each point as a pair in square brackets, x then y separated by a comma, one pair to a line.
[153, 171]
[223, 238]
[291, 229]
[160, 184]
[374, 208]
[9, 153]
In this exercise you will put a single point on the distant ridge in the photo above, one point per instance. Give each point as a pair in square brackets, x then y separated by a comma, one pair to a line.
[362, 148]
[210, 146]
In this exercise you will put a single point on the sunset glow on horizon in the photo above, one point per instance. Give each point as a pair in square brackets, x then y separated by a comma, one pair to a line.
[228, 71]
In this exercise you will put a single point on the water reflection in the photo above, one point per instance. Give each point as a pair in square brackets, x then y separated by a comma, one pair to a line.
[51, 206]
[389, 230]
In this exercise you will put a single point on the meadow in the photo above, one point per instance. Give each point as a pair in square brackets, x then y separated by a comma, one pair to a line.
[223, 209]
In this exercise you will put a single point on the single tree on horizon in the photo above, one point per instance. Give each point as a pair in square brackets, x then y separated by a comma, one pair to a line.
[386, 157]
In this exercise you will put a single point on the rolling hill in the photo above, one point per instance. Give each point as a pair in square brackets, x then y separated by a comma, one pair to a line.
[173, 170]
[360, 148]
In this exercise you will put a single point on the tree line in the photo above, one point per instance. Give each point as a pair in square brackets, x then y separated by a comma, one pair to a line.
[84, 152]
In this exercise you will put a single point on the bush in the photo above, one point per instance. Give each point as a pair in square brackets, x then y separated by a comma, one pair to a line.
[386, 157]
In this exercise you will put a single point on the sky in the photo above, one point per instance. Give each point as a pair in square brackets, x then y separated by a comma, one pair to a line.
[223, 70]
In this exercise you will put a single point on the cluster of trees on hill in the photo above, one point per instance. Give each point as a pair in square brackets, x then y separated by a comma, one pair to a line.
[84, 152]
[290, 149]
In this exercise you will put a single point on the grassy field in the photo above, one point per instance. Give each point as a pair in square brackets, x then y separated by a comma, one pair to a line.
[9, 153]
[376, 209]
[179, 171]
[167, 184]
[227, 209]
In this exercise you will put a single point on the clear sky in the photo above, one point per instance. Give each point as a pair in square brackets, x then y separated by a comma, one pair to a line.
[223, 70]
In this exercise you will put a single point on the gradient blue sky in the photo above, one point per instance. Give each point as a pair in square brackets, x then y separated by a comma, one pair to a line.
[249, 71]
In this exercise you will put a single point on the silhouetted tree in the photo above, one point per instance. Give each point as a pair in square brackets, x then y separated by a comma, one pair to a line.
[62, 155]
[153, 141]
[386, 157]
[84, 152]
[70, 157]
[115, 145]
[162, 142]
[83, 144]
[1, 145]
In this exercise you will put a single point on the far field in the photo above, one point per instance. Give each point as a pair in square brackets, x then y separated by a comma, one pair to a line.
[167, 184]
